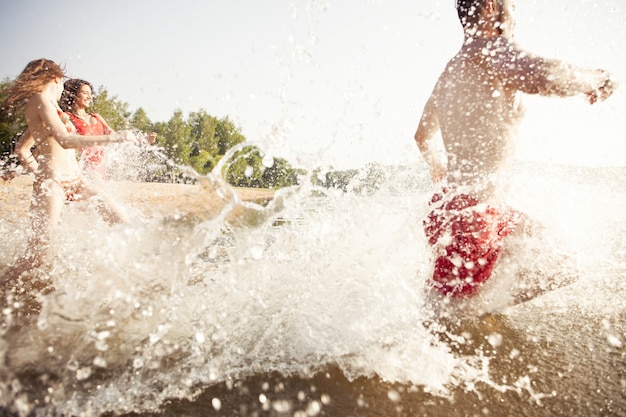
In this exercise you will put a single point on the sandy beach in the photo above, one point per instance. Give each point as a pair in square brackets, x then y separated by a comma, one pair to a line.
[148, 197]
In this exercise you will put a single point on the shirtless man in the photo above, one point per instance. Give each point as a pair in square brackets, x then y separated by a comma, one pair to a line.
[57, 173]
[476, 106]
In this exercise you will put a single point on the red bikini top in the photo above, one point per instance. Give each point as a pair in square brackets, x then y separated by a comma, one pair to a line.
[88, 129]
[65, 118]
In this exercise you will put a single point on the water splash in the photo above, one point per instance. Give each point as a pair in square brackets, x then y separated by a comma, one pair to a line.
[168, 305]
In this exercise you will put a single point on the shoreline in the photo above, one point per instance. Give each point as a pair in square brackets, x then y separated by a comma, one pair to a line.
[15, 194]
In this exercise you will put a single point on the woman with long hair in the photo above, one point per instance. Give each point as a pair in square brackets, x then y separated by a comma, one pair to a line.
[76, 100]
[58, 176]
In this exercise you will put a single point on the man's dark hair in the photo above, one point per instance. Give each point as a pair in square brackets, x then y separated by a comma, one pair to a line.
[469, 11]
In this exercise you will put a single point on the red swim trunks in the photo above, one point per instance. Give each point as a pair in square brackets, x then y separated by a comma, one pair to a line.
[467, 237]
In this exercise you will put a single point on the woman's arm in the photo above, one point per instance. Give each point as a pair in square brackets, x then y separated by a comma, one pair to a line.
[150, 138]
[48, 114]
[23, 150]
[107, 128]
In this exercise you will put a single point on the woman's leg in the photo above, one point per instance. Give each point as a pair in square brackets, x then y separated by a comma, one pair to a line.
[21, 291]
[110, 211]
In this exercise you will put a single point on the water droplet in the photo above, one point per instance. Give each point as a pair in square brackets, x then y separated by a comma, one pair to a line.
[495, 339]
[100, 362]
[216, 403]
[256, 252]
[268, 161]
[393, 395]
[313, 408]
[614, 341]
[83, 373]
[281, 406]
[137, 363]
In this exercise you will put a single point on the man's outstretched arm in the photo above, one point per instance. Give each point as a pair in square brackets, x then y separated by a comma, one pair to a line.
[534, 74]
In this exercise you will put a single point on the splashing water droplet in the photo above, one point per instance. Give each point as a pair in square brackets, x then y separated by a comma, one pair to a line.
[216, 403]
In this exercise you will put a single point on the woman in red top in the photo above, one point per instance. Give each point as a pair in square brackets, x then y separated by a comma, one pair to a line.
[75, 100]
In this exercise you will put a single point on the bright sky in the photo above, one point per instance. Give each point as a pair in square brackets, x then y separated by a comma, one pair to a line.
[319, 82]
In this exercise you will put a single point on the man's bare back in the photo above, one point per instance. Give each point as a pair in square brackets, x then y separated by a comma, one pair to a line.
[478, 114]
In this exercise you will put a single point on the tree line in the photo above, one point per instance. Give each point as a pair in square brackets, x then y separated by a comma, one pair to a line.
[198, 141]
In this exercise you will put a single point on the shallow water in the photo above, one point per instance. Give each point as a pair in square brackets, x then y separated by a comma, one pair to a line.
[315, 306]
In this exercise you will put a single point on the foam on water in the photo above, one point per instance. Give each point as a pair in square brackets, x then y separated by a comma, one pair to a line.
[162, 307]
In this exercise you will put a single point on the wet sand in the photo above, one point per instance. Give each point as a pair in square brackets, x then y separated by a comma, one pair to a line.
[563, 369]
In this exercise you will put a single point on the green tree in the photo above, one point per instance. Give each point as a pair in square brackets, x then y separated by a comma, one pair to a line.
[175, 138]
[333, 179]
[250, 168]
[203, 131]
[198, 142]
[140, 121]
[11, 126]
[227, 135]
[204, 150]
[7, 139]
[281, 174]
[368, 179]
[113, 110]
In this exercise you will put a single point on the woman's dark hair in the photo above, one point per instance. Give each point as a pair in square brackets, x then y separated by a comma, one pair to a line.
[70, 92]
